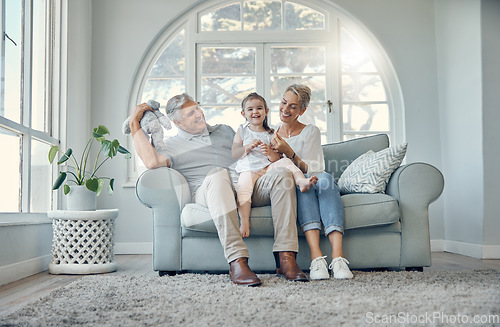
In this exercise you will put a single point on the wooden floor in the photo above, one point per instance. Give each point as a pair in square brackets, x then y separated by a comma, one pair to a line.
[16, 294]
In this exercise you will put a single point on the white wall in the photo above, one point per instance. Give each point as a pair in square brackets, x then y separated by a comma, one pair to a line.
[78, 75]
[490, 25]
[468, 55]
[458, 30]
[24, 249]
[122, 30]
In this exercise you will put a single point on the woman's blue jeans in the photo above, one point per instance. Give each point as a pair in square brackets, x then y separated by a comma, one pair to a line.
[321, 204]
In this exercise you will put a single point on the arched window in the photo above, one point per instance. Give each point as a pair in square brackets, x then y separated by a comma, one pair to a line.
[220, 51]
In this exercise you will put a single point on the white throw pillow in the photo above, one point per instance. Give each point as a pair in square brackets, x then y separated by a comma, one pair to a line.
[371, 171]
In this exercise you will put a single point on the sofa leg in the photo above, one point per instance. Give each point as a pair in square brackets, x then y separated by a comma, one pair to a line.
[167, 272]
[419, 269]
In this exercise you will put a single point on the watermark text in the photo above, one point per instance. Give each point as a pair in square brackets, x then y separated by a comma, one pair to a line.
[431, 318]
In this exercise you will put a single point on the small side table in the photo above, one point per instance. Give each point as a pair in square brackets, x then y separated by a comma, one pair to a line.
[83, 241]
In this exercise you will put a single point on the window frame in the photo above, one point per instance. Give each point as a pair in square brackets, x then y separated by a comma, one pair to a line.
[54, 54]
[336, 18]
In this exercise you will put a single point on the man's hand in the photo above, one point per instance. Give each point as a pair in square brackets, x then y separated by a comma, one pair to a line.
[136, 116]
[149, 156]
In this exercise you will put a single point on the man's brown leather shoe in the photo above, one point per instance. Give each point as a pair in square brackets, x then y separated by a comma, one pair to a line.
[241, 273]
[287, 266]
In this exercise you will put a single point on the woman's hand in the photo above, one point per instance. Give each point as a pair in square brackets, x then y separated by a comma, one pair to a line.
[280, 145]
[269, 152]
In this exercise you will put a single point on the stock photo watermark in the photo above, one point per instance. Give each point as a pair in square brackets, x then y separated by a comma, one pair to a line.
[431, 318]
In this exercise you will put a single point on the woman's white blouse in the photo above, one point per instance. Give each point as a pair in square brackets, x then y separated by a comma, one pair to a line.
[307, 145]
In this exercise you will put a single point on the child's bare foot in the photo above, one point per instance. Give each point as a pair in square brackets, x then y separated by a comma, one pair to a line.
[305, 184]
[245, 230]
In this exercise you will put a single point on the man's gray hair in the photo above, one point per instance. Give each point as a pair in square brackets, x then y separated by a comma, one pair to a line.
[175, 104]
[303, 92]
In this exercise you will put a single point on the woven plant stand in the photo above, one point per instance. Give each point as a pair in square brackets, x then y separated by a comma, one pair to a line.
[83, 241]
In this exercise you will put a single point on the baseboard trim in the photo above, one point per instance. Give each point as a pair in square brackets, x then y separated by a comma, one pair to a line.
[437, 245]
[134, 248]
[463, 248]
[471, 250]
[19, 270]
[491, 252]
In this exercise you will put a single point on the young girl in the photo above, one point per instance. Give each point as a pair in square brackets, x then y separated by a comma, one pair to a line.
[251, 146]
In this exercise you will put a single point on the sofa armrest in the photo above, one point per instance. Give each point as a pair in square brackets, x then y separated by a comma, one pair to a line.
[415, 186]
[162, 187]
[165, 191]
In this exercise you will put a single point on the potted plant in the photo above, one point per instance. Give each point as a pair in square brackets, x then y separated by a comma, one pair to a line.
[87, 185]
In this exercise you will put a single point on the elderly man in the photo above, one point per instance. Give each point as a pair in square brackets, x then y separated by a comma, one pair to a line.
[202, 153]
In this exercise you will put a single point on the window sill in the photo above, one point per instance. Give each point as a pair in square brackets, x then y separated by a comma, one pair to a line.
[19, 219]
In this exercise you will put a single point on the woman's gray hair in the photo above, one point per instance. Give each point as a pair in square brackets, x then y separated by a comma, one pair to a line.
[175, 104]
[303, 92]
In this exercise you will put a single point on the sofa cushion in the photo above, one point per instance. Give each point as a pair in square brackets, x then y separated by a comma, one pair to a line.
[361, 211]
[195, 217]
[368, 210]
[370, 172]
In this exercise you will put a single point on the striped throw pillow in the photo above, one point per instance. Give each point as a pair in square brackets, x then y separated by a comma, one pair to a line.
[371, 171]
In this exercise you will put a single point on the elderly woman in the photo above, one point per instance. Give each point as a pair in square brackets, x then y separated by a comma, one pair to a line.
[321, 204]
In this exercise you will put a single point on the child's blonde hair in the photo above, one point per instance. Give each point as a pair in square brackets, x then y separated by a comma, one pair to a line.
[255, 95]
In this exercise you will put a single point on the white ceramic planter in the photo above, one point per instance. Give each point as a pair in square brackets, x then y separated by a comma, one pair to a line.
[80, 198]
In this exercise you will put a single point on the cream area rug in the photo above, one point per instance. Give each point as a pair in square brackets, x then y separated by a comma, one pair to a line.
[371, 298]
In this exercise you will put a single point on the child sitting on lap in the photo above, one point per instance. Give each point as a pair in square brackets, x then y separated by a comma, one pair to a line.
[251, 146]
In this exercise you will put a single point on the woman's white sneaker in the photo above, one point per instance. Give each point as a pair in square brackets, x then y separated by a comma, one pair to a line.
[339, 268]
[318, 269]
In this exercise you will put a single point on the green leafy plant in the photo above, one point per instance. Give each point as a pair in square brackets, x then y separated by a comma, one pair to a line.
[84, 174]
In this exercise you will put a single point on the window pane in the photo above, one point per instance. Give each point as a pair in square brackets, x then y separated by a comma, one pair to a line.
[228, 60]
[227, 18]
[316, 83]
[261, 15]
[172, 61]
[362, 88]
[41, 177]
[298, 60]
[162, 89]
[11, 93]
[354, 57]
[38, 118]
[373, 117]
[10, 172]
[224, 115]
[298, 17]
[217, 90]
[315, 114]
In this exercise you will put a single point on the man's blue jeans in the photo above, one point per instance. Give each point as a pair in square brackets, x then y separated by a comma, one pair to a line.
[321, 204]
